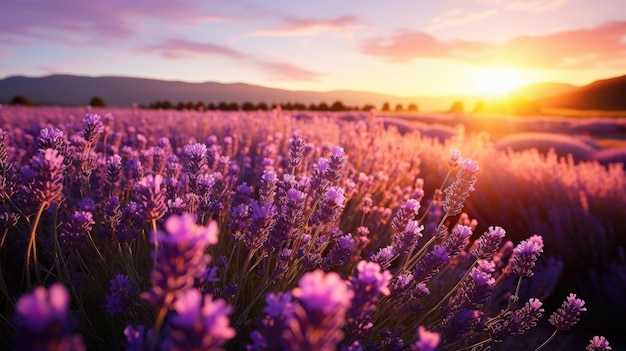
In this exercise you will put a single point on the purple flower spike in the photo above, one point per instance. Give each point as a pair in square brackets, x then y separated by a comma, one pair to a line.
[42, 321]
[93, 127]
[150, 193]
[324, 299]
[598, 343]
[524, 257]
[122, 295]
[567, 315]
[487, 245]
[427, 341]
[197, 325]
[49, 172]
[75, 230]
[457, 192]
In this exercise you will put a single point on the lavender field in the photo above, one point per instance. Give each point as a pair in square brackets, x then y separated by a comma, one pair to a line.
[130, 229]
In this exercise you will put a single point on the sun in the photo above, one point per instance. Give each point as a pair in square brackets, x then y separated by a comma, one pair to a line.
[496, 81]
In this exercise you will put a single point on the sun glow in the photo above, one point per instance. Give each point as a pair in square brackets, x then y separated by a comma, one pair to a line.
[497, 81]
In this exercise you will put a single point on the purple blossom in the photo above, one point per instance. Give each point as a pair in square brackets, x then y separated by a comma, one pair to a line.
[340, 253]
[459, 190]
[427, 340]
[455, 158]
[150, 194]
[567, 315]
[137, 339]
[75, 230]
[519, 321]
[121, 296]
[296, 151]
[473, 292]
[384, 256]
[458, 239]
[430, 264]
[598, 343]
[49, 173]
[42, 321]
[487, 245]
[330, 207]
[199, 323]
[180, 260]
[336, 164]
[323, 299]
[93, 127]
[408, 238]
[524, 257]
[405, 213]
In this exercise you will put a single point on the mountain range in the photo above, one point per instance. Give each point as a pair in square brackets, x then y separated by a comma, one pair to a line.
[69, 90]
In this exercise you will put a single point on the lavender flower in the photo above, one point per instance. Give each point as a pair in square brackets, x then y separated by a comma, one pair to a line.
[405, 213]
[296, 152]
[53, 138]
[524, 257]
[323, 299]
[407, 240]
[137, 338]
[122, 295]
[473, 292]
[430, 264]
[427, 340]
[336, 165]
[75, 230]
[267, 187]
[455, 158]
[180, 259]
[93, 128]
[42, 321]
[384, 256]
[487, 245]
[340, 253]
[49, 172]
[598, 343]
[330, 207]
[151, 195]
[369, 283]
[567, 315]
[278, 311]
[519, 321]
[199, 323]
[114, 168]
[459, 190]
[458, 239]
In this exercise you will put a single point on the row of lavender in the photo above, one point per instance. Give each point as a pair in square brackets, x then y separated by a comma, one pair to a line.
[163, 230]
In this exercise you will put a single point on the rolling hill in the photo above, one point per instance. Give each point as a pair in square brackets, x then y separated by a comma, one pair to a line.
[124, 91]
[605, 94]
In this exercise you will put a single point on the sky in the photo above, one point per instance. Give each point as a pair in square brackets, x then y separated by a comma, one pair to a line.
[402, 47]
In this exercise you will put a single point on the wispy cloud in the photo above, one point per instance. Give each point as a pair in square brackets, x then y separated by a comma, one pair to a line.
[298, 26]
[457, 17]
[104, 21]
[569, 49]
[526, 5]
[180, 49]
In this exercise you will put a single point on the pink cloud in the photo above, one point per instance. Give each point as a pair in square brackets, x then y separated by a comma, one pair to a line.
[458, 17]
[579, 48]
[294, 26]
[178, 49]
[288, 71]
[103, 21]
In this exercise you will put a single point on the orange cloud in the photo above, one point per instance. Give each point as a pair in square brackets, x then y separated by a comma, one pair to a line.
[603, 45]
[296, 26]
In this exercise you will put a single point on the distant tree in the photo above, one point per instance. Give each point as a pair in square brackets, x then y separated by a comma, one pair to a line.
[368, 107]
[21, 100]
[323, 107]
[247, 106]
[385, 107]
[399, 108]
[261, 106]
[299, 106]
[337, 106]
[222, 106]
[233, 106]
[167, 105]
[313, 107]
[200, 106]
[180, 105]
[457, 107]
[412, 107]
[479, 107]
[97, 101]
[211, 107]
[190, 105]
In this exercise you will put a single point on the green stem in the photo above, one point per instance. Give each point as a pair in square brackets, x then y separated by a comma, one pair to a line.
[32, 246]
[547, 341]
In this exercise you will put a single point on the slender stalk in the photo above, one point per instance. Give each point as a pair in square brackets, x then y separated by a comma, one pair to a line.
[32, 245]
[547, 341]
